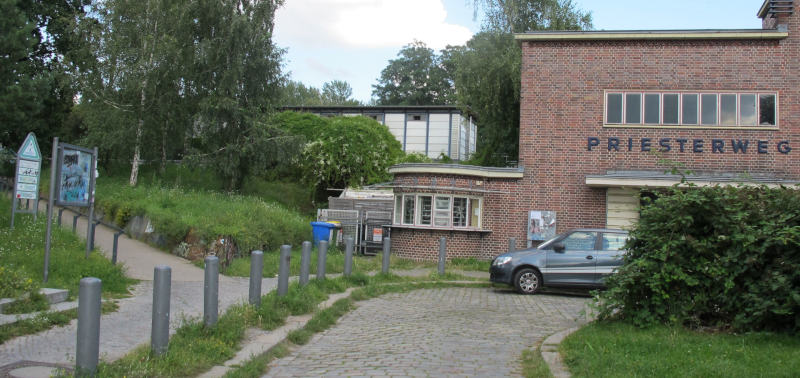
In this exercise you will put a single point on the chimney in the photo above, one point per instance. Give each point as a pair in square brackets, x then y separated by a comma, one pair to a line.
[775, 14]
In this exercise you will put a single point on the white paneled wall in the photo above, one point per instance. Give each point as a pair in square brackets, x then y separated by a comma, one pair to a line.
[438, 132]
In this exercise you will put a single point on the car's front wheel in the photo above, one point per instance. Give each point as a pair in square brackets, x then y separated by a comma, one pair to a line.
[527, 281]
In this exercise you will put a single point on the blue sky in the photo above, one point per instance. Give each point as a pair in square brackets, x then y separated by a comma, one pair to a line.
[353, 40]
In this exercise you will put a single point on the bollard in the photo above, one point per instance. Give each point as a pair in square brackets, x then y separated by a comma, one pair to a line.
[60, 211]
[75, 222]
[322, 257]
[88, 347]
[442, 254]
[305, 263]
[159, 332]
[283, 270]
[211, 291]
[348, 255]
[256, 273]
[116, 245]
[512, 244]
[387, 246]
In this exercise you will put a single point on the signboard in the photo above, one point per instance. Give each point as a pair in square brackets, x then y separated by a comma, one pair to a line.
[74, 176]
[541, 225]
[377, 234]
[26, 181]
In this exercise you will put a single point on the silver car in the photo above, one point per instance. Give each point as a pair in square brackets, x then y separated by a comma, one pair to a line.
[578, 258]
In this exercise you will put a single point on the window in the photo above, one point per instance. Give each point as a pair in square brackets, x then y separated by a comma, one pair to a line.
[408, 209]
[580, 241]
[438, 211]
[441, 214]
[708, 109]
[613, 242]
[720, 109]
[377, 117]
[416, 117]
[633, 108]
[425, 210]
[652, 111]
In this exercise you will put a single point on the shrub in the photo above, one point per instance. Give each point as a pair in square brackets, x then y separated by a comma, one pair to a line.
[713, 257]
[14, 283]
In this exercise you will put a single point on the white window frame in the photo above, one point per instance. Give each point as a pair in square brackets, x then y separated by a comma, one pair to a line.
[449, 211]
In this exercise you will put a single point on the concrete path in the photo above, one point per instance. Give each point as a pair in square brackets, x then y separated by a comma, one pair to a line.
[434, 332]
[123, 330]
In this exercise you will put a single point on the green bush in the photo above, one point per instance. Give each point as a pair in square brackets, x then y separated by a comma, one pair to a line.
[722, 257]
[14, 282]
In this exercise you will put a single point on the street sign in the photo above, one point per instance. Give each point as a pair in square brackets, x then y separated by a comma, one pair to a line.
[26, 182]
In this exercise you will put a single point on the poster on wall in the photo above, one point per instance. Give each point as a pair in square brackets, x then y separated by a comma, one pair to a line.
[541, 225]
[74, 175]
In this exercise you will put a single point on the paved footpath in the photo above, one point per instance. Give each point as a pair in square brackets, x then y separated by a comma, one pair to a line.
[123, 330]
[434, 332]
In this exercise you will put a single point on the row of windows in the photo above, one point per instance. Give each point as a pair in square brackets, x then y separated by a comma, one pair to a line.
[706, 109]
[437, 211]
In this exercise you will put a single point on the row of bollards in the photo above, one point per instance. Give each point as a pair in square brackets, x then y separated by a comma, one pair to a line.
[89, 295]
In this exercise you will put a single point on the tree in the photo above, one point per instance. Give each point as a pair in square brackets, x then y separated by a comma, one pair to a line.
[338, 92]
[487, 70]
[334, 93]
[416, 77]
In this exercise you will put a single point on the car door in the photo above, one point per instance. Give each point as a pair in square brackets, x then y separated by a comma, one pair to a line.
[575, 265]
[609, 257]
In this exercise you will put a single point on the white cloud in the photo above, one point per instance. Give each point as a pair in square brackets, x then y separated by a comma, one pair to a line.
[366, 24]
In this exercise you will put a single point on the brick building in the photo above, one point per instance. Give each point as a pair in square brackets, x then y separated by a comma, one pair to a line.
[604, 114]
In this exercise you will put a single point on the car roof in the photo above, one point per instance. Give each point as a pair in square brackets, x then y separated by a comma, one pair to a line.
[599, 230]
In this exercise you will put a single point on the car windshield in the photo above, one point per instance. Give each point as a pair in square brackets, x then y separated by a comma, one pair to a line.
[547, 244]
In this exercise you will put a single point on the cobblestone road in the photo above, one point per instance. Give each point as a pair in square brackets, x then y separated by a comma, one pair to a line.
[434, 332]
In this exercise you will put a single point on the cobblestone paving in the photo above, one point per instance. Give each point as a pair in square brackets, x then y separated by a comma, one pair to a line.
[434, 332]
[128, 327]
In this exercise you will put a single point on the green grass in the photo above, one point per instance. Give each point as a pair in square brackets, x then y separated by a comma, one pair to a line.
[175, 212]
[321, 321]
[44, 321]
[533, 365]
[22, 259]
[334, 263]
[256, 366]
[617, 349]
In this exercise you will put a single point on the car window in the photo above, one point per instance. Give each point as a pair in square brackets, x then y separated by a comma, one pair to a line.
[580, 240]
[614, 241]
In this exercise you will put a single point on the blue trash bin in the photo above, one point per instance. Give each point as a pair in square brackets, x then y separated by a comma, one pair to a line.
[321, 231]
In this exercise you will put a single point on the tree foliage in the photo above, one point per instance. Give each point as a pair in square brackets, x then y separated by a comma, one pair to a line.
[720, 257]
[417, 77]
[519, 16]
[334, 93]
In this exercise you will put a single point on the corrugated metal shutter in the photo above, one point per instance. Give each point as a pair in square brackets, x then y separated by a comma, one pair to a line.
[622, 207]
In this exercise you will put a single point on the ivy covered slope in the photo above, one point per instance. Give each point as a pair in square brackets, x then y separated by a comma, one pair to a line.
[721, 257]
[252, 222]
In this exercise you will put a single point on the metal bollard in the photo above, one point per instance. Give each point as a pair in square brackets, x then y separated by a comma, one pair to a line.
[88, 344]
[322, 258]
[387, 247]
[348, 255]
[91, 241]
[442, 254]
[211, 291]
[159, 332]
[75, 222]
[256, 273]
[512, 244]
[116, 246]
[60, 211]
[283, 270]
[305, 263]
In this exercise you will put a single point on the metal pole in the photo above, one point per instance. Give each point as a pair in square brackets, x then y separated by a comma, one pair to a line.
[88, 344]
[75, 222]
[322, 257]
[94, 226]
[283, 270]
[305, 263]
[348, 255]
[387, 246]
[60, 212]
[116, 245]
[256, 273]
[211, 291]
[49, 231]
[159, 332]
[89, 228]
[512, 244]
[442, 254]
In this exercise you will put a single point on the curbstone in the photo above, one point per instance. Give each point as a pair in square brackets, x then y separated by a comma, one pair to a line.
[552, 357]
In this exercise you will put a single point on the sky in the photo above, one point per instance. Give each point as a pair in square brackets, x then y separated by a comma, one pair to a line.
[353, 40]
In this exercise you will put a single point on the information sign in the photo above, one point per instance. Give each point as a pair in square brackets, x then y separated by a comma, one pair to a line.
[26, 181]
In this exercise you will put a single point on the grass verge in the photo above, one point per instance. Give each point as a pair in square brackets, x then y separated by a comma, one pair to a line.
[616, 349]
[44, 321]
[533, 365]
[195, 349]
